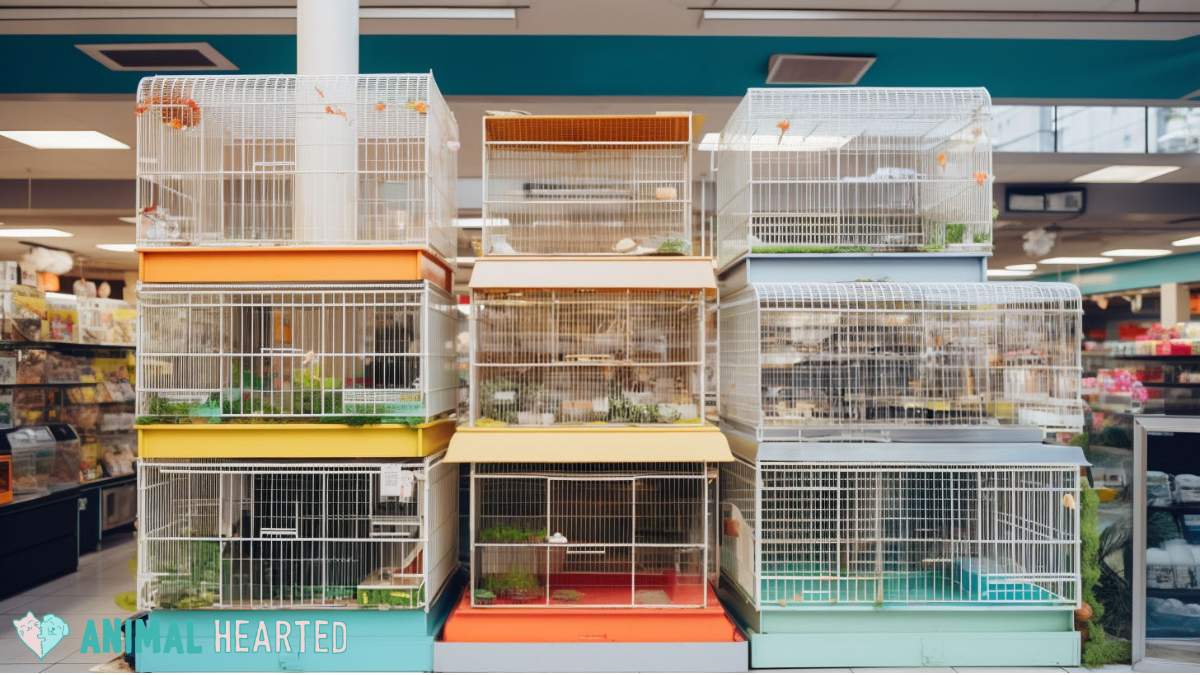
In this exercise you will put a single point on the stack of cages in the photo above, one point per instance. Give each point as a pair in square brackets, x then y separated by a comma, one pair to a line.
[593, 471]
[296, 344]
[889, 433]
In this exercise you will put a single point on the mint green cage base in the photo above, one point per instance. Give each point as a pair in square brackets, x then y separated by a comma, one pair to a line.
[964, 587]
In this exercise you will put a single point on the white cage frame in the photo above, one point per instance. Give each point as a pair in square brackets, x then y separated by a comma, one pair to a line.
[220, 534]
[855, 170]
[829, 360]
[287, 160]
[628, 535]
[296, 351]
[548, 357]
[587, 185]
[817, 536]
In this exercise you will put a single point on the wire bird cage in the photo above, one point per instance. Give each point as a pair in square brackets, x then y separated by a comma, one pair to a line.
[590, 535]
[587, 356]
[854, 170]
[291, 160]
[832, 359]
[369, 353]
[799, 536]
[282, 535]
[605, 185]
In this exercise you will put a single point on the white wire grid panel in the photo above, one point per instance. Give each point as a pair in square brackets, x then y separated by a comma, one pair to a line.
[296, 351]
[288, 160]
[862, 169]
[587, 356]
[604, 185]
[259, 535]
[833, 359]
[816, 535]
[590, 535]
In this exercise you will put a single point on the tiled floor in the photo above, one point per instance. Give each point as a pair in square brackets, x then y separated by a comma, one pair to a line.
[87, 594]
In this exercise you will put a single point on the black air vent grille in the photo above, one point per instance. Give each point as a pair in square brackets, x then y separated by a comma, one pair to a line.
[158, 57]
[817, 69]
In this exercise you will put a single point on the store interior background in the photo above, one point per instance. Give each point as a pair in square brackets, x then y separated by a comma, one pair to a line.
[1072, 98]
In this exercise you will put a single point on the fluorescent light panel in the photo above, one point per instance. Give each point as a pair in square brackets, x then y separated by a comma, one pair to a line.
[33, 233]
[1136, 252]
[117, 248]
[1124, 173]
[1022, 267]
[65, 140]
[1190, 241]
[1000, 274]
[1076, 260]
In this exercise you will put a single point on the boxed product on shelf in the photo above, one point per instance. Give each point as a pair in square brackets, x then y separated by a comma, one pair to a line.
[31, 366]
[28, 406]
[106, 321]
[118, 453]
[33, 458]
[65, 471]
[1158, 488]
[1187, 488]
[89, 459]
[24, 310]
[84, 417]
[62, 314]
[8, 368]
[63, 368]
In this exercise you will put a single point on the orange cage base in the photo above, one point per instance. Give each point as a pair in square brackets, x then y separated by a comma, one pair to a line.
[563, 623]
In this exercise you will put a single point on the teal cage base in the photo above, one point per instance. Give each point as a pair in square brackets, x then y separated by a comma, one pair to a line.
[965, 586]
[826, 635]
[369, 639]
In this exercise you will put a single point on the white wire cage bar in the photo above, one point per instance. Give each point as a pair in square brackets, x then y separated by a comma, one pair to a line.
[855, 170]
[590, 535]
[818, 360]
[604, 185]
[587, 356]
[282, 535]
[801, 536]
[292, 161]
[296, 352]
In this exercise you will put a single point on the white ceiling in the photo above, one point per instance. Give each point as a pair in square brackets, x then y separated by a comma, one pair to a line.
[899, 18]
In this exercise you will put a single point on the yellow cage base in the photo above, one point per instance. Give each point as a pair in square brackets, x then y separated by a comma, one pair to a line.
[292, 441]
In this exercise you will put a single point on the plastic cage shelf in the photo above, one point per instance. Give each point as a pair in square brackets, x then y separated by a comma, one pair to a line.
[575, 185]
[303, 352]
[267, 535]
[826, 360]
[798, 536]
[294, 161]
[855, 170]
[590, 535]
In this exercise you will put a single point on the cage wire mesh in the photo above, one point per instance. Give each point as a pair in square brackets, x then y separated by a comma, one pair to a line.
[295, 160]
[297, 352]
[585, 356]
[821, 360]
[587, 185]
[268, 535]
[855, 170]
[820, 535]
[590, 535]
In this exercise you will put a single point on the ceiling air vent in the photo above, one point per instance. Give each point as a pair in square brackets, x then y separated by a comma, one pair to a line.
[816, 69]
[158, 56]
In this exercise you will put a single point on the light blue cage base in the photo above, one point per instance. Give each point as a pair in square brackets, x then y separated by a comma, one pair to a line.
[893, 267]
[967, 586]
[375, 639]
[867, 636]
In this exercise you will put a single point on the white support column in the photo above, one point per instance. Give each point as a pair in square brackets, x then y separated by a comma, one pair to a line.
[1175, 306]
[326, 185]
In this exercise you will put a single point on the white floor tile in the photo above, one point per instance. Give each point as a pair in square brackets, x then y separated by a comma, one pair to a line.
[22, 667]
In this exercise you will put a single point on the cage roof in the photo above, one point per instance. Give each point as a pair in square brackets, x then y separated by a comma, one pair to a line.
[594, 444]
[608, 273]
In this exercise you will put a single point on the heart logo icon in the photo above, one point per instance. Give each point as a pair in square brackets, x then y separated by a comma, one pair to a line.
[43, 635]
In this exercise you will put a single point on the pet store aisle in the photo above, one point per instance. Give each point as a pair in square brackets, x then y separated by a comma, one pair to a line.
[91, 593]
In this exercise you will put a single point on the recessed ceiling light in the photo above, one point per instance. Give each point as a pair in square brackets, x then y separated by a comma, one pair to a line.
[1008, 273]
[1190, 241]
[1124, 173]
[1076, 260]
[132, 220]
[117, 248]
[65, 140]
[1023, 267]
[1137, 252]
[33, 233]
